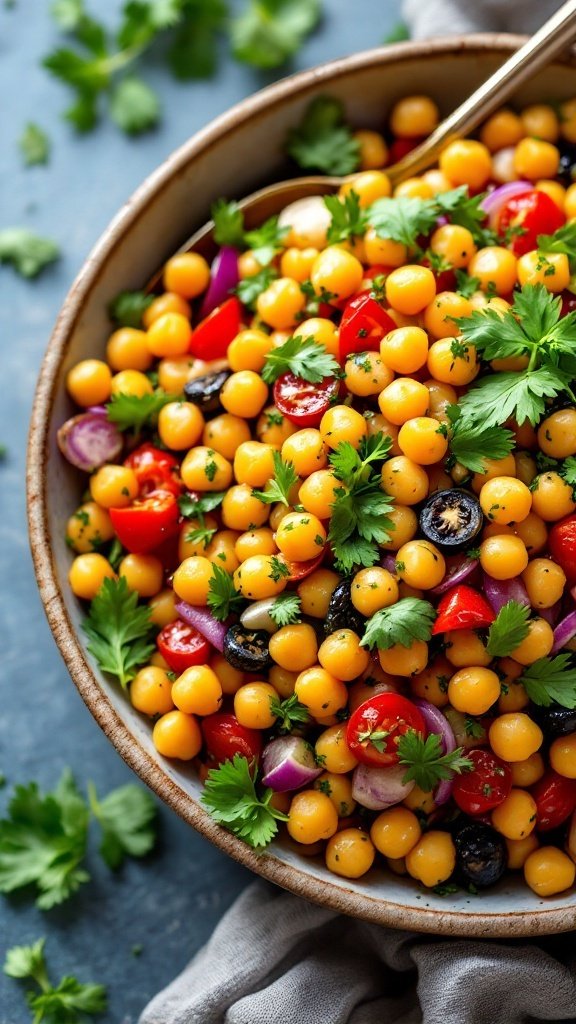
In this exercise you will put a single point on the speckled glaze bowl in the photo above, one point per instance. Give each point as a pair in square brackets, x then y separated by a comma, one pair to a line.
[233, 156]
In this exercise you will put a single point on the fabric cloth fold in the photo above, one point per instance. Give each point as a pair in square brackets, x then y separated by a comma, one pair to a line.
[453, 17]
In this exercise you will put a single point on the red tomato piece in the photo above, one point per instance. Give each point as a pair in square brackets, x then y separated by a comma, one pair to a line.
[155, 469]
[401, 147]
[182, 646]
[535, 213]
[147, 522]
[364, 323]
[301, 402]
[555, 798]
[375, 727]
[210, 339]
[462, 608]
[485, 786]
[562, 546]
[299, 570]
[224, 737]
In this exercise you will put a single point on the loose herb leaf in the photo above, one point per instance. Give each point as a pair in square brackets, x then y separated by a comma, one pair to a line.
[551, 679]
[195, 508]
[286, 609]
[399, 33]
[128, 308]
[266, 241]
[303, 357]
[268, 32]
[194, 52]
[466, 211]
[501, 396]
[230, 795]
[426, 764]
[349, 219]
[67, 1003]
[67, 13]
[249, 288]
[466, 285]
[28, 253]
[223, 598]
[472, 442]
[118, 630]
[403, 218]
[509, 629]
[402, 623]
[289, 712]
[322, 141]
[134, 412]
[134, 107]
[228, 223]
[34, 145]
[359, 520]
[279, 487]
[126, 817]
[563, 240]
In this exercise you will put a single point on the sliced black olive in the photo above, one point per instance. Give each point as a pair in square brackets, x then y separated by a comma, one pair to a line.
[341, 612]
[247, 649]
[481, 855]
[451, 519]
[567, 162]
[554, 720]
[205, 391]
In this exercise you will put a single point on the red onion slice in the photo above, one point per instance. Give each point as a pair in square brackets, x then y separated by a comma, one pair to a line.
[288, 763]
[492, 203]
[389, 562]
[551, 615]
[204, 622]
[379, 788]
[460, 569]
[223, 278]
[439, 724]
[89, 440]
[499, 592]
[565, 631]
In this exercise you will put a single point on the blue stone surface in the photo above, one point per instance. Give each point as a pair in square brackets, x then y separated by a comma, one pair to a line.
[170, 902]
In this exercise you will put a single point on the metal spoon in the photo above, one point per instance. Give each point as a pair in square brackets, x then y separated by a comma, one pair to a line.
[555, 36]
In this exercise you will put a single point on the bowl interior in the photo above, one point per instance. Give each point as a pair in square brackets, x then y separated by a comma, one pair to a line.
[234, 155]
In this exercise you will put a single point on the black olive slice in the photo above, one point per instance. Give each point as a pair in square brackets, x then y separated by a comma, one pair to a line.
[451, 519]
[341, 612]
[205, 391]
[481, 855]
[554, 720]
[247, 649]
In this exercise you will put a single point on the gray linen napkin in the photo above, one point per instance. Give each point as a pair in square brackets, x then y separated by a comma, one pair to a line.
[276, 959]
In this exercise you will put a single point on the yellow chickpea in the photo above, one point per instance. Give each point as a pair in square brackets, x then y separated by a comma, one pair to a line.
[350, 853]
[89, 382]
[151, 691]
[433, 859]
[337, 271]
[342, 656]
[143, 573]
[87, 574]
[294, 647]
[114, 486]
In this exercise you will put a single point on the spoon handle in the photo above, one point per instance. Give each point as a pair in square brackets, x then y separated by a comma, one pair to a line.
[551, 39]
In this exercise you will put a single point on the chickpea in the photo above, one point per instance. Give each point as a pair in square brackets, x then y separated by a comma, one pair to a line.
[549, 871]
[433, 859]
[342, 656]
[312, 817]
[551, 497]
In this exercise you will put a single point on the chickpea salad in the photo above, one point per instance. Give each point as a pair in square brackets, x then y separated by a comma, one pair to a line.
[328, 543]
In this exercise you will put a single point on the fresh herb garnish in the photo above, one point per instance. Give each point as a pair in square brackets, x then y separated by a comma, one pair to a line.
[349, 219]
[126, 817]
[249, 288]
[303, 357]
[323, 141]
[223, 598]
[118, 630]
[279, 487]
[286, 609]
[472, 442]
[128, 308]
[509, 629]
[408, 620]
[551, 679]
[359, 521]
[279, 570]
[34, 145]
[134, 412]
[466, 285]
[268, 32]
[425, 763]
[228, 223]
[405, 218]
[196, 508]
[289, 712]
[230, 795]
[27, 253]
[68, 1002]
[266, 241]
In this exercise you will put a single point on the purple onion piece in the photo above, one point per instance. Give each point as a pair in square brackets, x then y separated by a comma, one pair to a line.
[288, 763]
[98, 410]
[499, 592]
[223, 278]
[492, 203]
[439, 724]
[204, 622]
[551, 615]
[459, 572]
[379, 788]
[89, 440]
[389, 562]
[565, 631]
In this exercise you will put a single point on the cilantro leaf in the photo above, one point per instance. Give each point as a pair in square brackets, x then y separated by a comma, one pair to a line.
[466, 211]
[279, 487]
[223, 598]
[359, 520]
[43, 842]
[201, 535]
[472, 442]
[26, 961]
[402, 623]
[497, 398]
[249, 288]
[268, 32]
[322, 141]
[118, 630]
[563, 240]
[568, 472]
[134, 107]
[126, 817]
[194, 53]
[228, 223]
[303, 357]
[34, 145]
[195, 508]
[134, 412]
[285, 610]
[67, 13]
[349, 219]
[64, 1004]
[509, 629]
[466, 285]
[128, 308]
[551, 679]
[289, 712]
[278, 568]
[230, 795]
[399, 33]
[403, 218]
[425, 762]
[266, 241]
[28, 253]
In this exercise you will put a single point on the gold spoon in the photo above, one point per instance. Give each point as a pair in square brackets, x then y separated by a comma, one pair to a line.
[551, 39]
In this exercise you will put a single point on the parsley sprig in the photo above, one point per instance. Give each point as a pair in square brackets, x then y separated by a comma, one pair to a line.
[279, 487]
[408, 620]
[359, 520]
[34, 145]
[349, 219]
[286, 609]
[425, 763]
[135, 412]
[289, 712]
[249, 288]
[551, 679]
[266, 241]
[118, 630]
[65, 1003]
[405, 218]
[472, 442]
[323, 141]
[509, 629]
[128, 308]
[223, 598]
[303, 357]
[27, 253]
[230, 795]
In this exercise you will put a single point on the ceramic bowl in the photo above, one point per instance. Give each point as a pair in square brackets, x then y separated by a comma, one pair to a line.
[232, 156]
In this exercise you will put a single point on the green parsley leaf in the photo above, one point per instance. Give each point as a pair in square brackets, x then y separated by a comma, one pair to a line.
[322, 141]
[349, 219]
[426, 764]
[249, 288]
[195, 508]
[279, 487]
[268, 32]
[28, 253]
[509, 629]
[314, 299]
[228, 223]
[350, 464]
[194, 52]
[134, 107]
[67, 1003]
[551, 679]
[403, 218]
[475, 730]
[223, 598]
[289, 712]
[201, 535]
[266, 241]
[472, 442]
[134, 412]
[26, 961]
[497, 398]
[466, 211]
[563, 240]
[359, 520]
[399, 33]
[118, 630]
[402, 623]
[128, 308]
[303, 357]
[285, 609]
[67, 13]
[126, 817]
[43, 842]
[230, 795]
[466, 285]
[34, 145]
[568, 472]
[278, 569]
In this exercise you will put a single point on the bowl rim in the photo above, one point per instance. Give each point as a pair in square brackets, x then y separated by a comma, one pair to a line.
[335, 895]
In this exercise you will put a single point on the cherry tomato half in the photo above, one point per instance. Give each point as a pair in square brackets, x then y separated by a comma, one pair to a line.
[147, 522]
[485, 786]
[155, 469]
[364, 324]
[562, 546]
[375, 727]
[303, 403]
[535, 214]
[555, 798]
[224, 737]
[299, 570]
[210, 339]
[462, 608]
[182, 646]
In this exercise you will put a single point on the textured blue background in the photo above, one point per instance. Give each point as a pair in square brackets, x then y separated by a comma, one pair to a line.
[170, 902]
